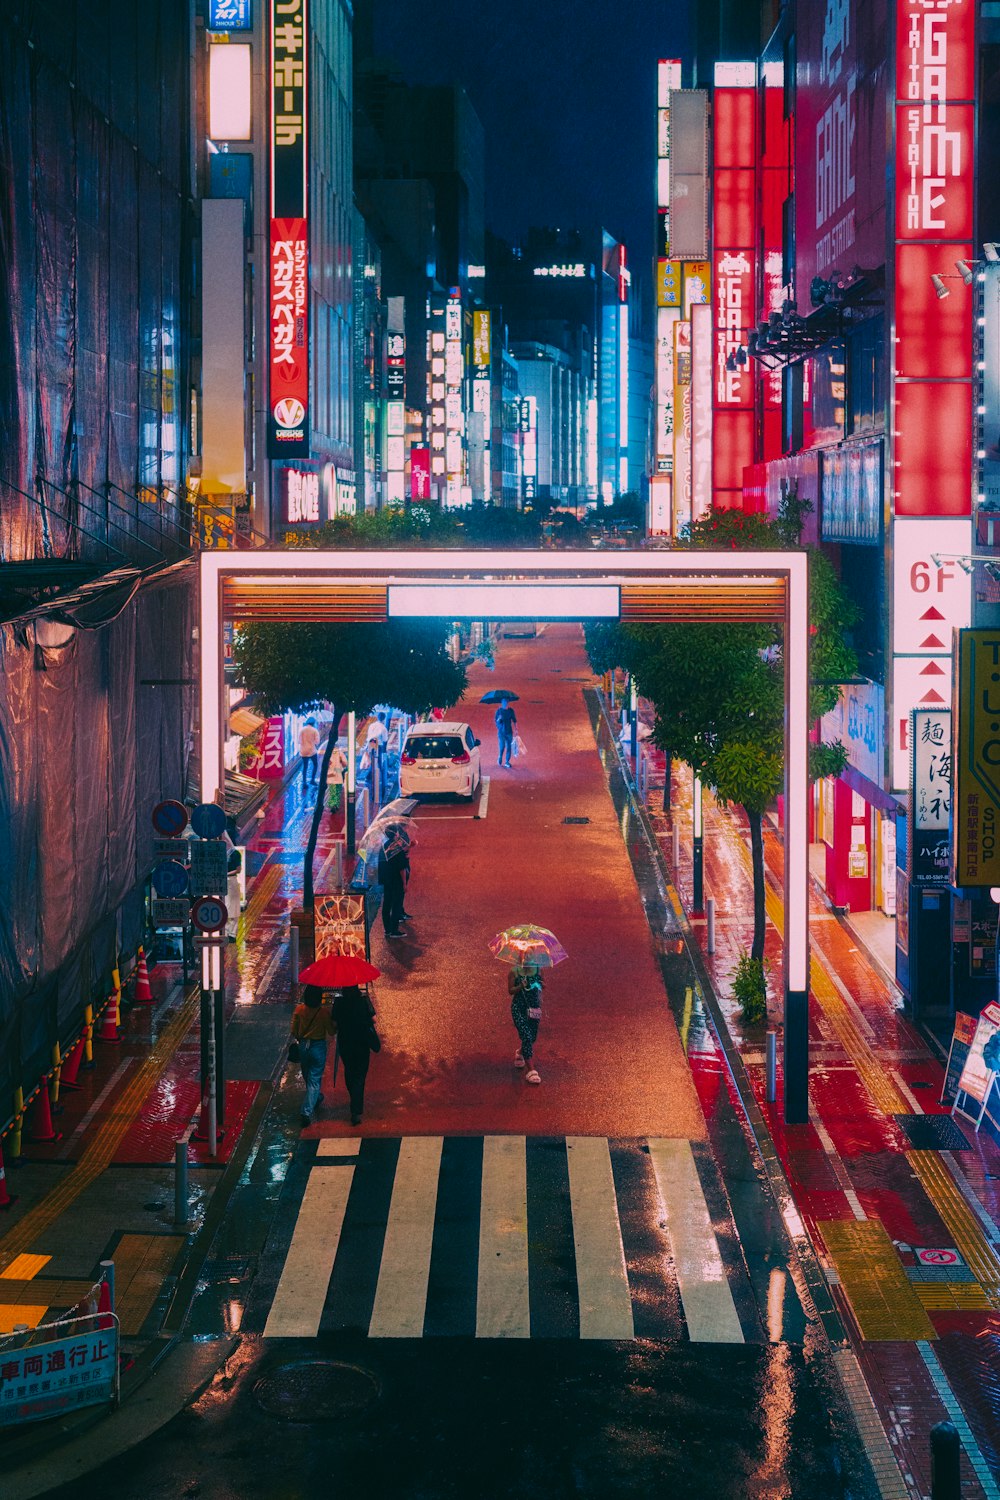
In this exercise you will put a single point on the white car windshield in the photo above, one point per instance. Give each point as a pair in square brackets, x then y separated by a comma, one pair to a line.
[434, 746]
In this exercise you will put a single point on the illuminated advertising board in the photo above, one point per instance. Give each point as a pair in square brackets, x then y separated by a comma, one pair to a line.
[230, 15]
[288, 425]
[840, 109]
[481, 339]
[702, 351]
[733, 280]
[301, 497]
[976, 767]
[682, 424]
[931, 479]
[420, 475]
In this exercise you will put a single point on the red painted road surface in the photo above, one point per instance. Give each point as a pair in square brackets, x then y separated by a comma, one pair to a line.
[608, 1051]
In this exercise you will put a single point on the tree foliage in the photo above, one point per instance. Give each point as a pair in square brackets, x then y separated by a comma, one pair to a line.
[352, 667]
[718, 689]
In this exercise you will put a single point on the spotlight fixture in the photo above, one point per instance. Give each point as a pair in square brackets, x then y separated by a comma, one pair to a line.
[964, 270]
[940, 290]
[991, 252]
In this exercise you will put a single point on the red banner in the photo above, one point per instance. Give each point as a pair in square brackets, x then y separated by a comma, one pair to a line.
[289, 338]
[420, 474]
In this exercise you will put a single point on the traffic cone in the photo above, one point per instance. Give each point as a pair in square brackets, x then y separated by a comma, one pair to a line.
[42, 1128]
[104, 1318]
[109, 1023]
[143, 992]
[6, 1200]
[71, 1067]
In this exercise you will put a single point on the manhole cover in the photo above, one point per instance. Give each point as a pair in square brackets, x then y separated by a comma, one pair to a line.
[316, 1390]
[576, 820]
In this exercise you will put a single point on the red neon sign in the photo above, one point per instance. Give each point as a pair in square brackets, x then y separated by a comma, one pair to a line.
[289, 336]
[733, 282]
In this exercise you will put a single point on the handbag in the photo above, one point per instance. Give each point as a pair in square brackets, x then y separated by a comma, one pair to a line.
[374, 1040]
[293, 1050]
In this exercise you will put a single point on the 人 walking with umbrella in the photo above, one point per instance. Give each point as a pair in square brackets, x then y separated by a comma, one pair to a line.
[352, 1017]
[528, 949]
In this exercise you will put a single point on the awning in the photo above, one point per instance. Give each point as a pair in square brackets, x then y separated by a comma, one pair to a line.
[243, 721]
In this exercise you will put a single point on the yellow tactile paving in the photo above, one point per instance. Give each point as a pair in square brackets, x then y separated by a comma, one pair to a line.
[876, 1285]
[24, 1267]
[264, 889]
[142, 1262]
[105, 1143]
[965, 1230]
[935, 1178]
[22, 1312]
[951, 1296]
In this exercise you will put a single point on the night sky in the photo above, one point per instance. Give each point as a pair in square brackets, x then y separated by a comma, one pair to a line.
[566, 91]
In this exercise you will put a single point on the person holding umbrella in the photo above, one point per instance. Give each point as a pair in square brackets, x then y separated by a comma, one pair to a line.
[312, 1026]
[525, 988]
[357, 1039]
[506, 721]
[529, 949]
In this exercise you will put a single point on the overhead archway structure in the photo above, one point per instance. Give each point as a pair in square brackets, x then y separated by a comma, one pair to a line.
[678, 587]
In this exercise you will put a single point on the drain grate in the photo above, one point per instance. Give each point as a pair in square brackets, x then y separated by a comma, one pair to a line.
[576, 820]
[316, 1390]
[932, 1132]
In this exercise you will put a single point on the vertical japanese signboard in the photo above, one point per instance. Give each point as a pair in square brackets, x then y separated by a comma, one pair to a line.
[976, 797]
[931, 802]
[288, 426]
[733, 277]
[932, 368]
[668, 302]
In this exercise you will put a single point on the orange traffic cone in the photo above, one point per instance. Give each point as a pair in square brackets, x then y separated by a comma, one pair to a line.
[109, 1023]
[143, 992]
[42, 1128]
[6, 1200]
[71, 1067]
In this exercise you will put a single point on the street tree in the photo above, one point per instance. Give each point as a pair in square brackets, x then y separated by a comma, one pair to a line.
[350, 666]
[718, 689]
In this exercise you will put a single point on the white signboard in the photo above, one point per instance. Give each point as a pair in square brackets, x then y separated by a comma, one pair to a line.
[43, 1379]
[857, 724]
[917, 682]
[930, 599]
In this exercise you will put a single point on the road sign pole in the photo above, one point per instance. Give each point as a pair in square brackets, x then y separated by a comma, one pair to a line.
[220, 1043]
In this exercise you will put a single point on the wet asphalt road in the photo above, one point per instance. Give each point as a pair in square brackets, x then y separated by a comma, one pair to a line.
[540, 1417]
[545, 1420]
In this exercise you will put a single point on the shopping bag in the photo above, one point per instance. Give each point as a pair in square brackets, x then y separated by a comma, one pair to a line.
[518, 747]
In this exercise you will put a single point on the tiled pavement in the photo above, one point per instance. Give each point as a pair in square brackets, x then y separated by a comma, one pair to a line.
[879, 1172]
[104, 1189]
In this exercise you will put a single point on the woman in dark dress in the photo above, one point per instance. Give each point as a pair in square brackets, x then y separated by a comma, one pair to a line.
[357, 1039]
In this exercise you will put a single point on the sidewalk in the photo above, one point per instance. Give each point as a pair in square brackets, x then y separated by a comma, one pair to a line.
[105, 1188]
[900, 1202]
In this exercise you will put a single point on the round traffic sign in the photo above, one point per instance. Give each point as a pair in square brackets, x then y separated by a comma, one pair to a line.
[170, 878]
[208, 820]
[170, 819]
[209, 913]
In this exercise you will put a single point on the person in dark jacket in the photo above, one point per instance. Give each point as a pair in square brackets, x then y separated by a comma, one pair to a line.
[357, 1039]
[391, 870]
[506, 721]
[524, 984]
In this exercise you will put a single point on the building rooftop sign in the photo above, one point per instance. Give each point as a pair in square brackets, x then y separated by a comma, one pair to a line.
[575, 269]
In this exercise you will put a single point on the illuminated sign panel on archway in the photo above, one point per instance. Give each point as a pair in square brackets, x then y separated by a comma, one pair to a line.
[635, 586]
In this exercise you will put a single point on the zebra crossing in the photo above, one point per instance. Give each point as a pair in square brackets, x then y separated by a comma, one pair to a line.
[505, 1237]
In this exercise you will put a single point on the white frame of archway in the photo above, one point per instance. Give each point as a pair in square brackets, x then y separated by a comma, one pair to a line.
[570, 571]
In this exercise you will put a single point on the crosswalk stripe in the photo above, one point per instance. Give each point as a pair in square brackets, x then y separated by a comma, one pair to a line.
[701, 1276]
[401, 1295]
[502, 1304]
[297, 1309]
[602, 1279]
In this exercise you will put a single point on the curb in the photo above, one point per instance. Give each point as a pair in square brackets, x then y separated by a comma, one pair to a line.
[815, 1280]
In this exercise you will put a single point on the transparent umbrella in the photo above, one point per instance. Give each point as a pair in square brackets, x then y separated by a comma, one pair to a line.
[528, 944]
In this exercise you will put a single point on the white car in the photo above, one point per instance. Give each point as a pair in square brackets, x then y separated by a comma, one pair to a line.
[440, 757]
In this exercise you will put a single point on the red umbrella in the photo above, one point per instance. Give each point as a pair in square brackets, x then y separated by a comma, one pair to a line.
[338, 969]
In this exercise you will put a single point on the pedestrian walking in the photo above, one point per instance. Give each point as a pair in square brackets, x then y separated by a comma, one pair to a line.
[312, 1027]
[391, 873]
[506, 721]
[335, 773]
[525, 986]
[308, 747]
[357, 1039]
[234, 895]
